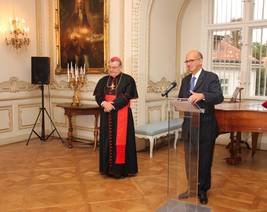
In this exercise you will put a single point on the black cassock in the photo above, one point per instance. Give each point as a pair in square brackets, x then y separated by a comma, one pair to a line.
[123, 89]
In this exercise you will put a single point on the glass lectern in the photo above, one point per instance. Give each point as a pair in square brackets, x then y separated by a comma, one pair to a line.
[183, 160]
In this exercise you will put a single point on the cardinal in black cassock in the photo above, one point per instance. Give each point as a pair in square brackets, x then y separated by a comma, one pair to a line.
[117, 136]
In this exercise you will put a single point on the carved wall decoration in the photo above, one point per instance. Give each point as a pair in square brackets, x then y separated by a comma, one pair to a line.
[64, 85]
[158, 87]
[15, 85]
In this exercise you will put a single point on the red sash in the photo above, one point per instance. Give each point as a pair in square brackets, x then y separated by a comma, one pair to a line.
[121, 134]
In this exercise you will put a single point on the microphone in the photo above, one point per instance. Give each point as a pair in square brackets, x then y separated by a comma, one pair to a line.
[169, 88]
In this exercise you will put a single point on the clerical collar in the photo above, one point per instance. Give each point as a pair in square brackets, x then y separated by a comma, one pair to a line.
[118, 76]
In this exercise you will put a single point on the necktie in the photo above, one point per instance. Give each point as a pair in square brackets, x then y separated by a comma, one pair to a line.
[192, 83]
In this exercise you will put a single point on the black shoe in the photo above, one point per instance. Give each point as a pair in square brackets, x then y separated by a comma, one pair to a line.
[185, 195]
[203, 197]
[119, 176]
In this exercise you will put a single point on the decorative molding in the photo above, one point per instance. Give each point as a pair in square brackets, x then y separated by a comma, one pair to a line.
[159, 86]
[20, 111]
[13, 138]
[10, 118]
[139, 50]
[89, 86]
[136, 10]
[61, 124]
[59, 85]
[58, 123]
[14, 85]
[151, 109]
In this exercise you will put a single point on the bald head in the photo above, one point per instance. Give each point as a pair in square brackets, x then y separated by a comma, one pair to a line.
[195, 53]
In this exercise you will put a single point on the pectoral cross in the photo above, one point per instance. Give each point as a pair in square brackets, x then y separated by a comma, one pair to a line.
[112, 86]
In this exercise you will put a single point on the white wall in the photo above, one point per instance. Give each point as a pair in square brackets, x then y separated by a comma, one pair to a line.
[116, 28]
[19, 102]
[191, 30]
[162, 43]
[13, 62]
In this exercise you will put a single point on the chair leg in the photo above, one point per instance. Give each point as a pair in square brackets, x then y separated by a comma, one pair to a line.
[151, 140]
[175, 138]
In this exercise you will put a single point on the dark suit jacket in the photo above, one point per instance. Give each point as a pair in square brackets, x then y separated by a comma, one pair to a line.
[208, 84]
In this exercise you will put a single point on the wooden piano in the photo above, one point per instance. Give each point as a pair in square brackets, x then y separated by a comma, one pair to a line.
[244, 116]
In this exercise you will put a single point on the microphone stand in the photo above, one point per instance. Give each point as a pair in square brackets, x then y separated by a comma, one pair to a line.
[171, 183]
[169, 187]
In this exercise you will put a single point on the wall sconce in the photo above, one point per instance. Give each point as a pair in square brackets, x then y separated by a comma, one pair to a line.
[18, 33]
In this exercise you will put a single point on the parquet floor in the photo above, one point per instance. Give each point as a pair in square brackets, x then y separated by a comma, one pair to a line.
[51, 177]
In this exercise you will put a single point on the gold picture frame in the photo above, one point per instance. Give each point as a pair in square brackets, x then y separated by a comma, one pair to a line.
[82, 28]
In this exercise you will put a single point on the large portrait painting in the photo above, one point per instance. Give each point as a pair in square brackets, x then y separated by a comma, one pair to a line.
[82, 35]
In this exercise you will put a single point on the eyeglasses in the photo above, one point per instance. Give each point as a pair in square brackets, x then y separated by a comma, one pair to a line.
[113, 67]
[192, 60]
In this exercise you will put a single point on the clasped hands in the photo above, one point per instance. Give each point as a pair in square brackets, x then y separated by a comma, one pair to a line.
[196, 97]
[108, 106]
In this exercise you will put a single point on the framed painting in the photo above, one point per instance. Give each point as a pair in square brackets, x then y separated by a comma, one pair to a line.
[82, 35]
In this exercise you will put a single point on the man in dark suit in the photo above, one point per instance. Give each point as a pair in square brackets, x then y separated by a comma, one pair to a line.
[202, 88]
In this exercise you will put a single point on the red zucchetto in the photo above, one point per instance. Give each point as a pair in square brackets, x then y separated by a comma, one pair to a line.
[264, 104]
[113, 59]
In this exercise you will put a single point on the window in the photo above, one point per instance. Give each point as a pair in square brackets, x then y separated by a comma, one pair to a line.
[258, 62]
[237, 31]
[226, 11]
[260, 10]
[224, 84]
[226, 57]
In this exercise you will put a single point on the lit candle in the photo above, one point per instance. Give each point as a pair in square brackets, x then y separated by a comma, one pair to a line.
[81, 71]
[68, 72]
[76, 73]
[71, 71]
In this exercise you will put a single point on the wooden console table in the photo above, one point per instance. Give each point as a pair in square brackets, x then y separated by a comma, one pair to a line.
[83, 109]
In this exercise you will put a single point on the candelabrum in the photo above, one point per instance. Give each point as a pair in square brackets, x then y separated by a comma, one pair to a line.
[76, 80]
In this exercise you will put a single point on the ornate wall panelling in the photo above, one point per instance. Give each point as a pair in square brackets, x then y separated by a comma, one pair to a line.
[14, 85]
[27, 114]
[6, 114]
[155, 113]
[139, 54]
[159, 86]
[154, 97]
[58, 115]
[63, 85]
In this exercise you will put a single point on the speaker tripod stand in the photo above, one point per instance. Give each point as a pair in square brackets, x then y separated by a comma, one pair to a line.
[42, 112]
